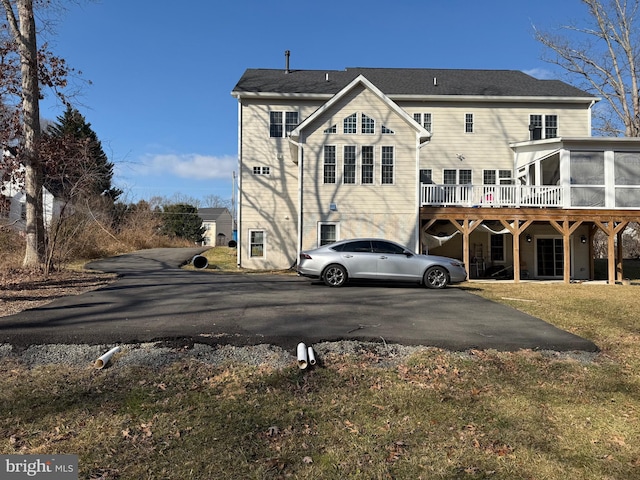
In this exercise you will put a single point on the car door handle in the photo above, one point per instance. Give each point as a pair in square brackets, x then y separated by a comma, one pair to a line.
[347, 256]
[383, 257]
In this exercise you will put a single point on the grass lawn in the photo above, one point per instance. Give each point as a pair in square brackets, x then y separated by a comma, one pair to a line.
[434, 415]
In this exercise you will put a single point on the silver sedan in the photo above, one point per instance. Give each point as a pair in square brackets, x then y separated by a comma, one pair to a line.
[377, 259]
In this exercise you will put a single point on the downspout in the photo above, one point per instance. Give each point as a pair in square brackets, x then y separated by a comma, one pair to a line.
[238, 218]
[300, 170]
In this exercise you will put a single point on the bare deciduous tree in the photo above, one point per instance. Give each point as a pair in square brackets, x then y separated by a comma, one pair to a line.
[604, 54]
[23, 30]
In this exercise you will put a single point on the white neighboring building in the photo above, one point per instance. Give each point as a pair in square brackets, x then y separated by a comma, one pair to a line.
[13, 211]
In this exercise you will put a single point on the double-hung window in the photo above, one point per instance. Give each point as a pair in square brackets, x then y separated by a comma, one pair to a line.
[329, 164]
[387, 165]
[366, 157]
[282, 123]
[349, 165]
[327, 233]
[457, 177]
[256, 238]
[468, 123]
[543, 126]
[497, 177]
[424, 119]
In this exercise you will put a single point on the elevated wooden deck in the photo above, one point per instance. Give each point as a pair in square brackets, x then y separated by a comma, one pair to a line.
[564, 221]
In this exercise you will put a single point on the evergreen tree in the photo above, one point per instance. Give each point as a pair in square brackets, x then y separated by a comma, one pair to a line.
[75, 163]
[182, 220]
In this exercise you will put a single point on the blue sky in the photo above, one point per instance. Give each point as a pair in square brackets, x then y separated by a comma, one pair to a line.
[162, 71]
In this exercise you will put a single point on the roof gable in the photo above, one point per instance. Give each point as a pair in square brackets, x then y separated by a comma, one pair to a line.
[361, 80]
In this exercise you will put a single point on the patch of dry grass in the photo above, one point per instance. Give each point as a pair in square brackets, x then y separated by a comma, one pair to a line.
[438, 414]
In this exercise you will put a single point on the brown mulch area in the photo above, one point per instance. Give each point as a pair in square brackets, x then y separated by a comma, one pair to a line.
[21, 290]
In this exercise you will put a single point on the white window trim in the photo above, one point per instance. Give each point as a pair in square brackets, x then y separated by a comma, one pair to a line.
[264, 242]
[473, 123]
[336, 164]
[395, 173]
[320, 224]
[543, 133]
[284, 121]
[355, 165]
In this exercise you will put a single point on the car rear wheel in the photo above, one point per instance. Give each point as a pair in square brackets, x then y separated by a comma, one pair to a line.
[334, 276]
[436, 277]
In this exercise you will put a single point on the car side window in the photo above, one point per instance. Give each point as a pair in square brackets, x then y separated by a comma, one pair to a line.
[359, 246]
[386, 247]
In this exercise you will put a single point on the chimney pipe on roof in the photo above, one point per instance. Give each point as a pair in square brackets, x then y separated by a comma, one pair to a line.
[286, 61]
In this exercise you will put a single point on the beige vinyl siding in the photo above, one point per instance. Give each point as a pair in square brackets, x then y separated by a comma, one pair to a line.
[495, 126]
[268, 202]
[380, 210]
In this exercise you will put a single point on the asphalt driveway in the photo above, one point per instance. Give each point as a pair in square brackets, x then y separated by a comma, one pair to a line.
[156, 300]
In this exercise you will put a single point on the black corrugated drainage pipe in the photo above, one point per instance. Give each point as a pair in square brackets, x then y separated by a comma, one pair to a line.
[200, 262]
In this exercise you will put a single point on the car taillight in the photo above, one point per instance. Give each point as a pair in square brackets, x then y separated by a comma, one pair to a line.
[305, 256]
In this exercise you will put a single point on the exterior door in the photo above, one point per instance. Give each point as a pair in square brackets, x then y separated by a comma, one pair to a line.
[549, 257]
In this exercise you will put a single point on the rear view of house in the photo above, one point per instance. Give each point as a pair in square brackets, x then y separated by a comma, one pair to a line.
[494, 167]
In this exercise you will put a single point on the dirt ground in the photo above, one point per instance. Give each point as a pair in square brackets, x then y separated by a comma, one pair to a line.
[21, 290]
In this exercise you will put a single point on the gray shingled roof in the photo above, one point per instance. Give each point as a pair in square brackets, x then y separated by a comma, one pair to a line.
[407, 81]
[211, 214]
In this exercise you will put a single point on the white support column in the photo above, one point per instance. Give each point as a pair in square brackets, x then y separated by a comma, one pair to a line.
[609, 180]
[565, 177]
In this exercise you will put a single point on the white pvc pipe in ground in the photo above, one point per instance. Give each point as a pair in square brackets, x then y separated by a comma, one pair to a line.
[311, 356]
[104, 359]
[303, 359]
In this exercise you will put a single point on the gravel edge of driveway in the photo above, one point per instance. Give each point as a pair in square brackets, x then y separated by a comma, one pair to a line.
[156, 355]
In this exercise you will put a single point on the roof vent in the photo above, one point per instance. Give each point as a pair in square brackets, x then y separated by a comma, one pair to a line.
[326, 77]
[287, 53]
[435, 81]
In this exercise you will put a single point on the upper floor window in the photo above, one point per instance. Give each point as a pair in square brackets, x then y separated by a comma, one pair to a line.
[424, 119]
[331, 129]
[387, 165]
[282, 123]
[329, 164]
[349, 161]
[368, 124]
[543, 126]
[350, 124]
[468, 123]
[497, 177]
[457, 177]
[367, 165]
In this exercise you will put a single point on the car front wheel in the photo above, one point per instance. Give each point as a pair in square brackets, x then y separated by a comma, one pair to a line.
[334, 276]
[436, 277]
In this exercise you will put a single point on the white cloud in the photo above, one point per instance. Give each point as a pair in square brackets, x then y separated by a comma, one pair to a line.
[540, 73]
[190, 166]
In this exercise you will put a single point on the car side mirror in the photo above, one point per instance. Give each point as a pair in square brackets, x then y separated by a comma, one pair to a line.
[408, 253]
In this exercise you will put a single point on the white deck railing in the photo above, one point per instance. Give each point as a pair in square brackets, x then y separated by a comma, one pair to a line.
[492, 195]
